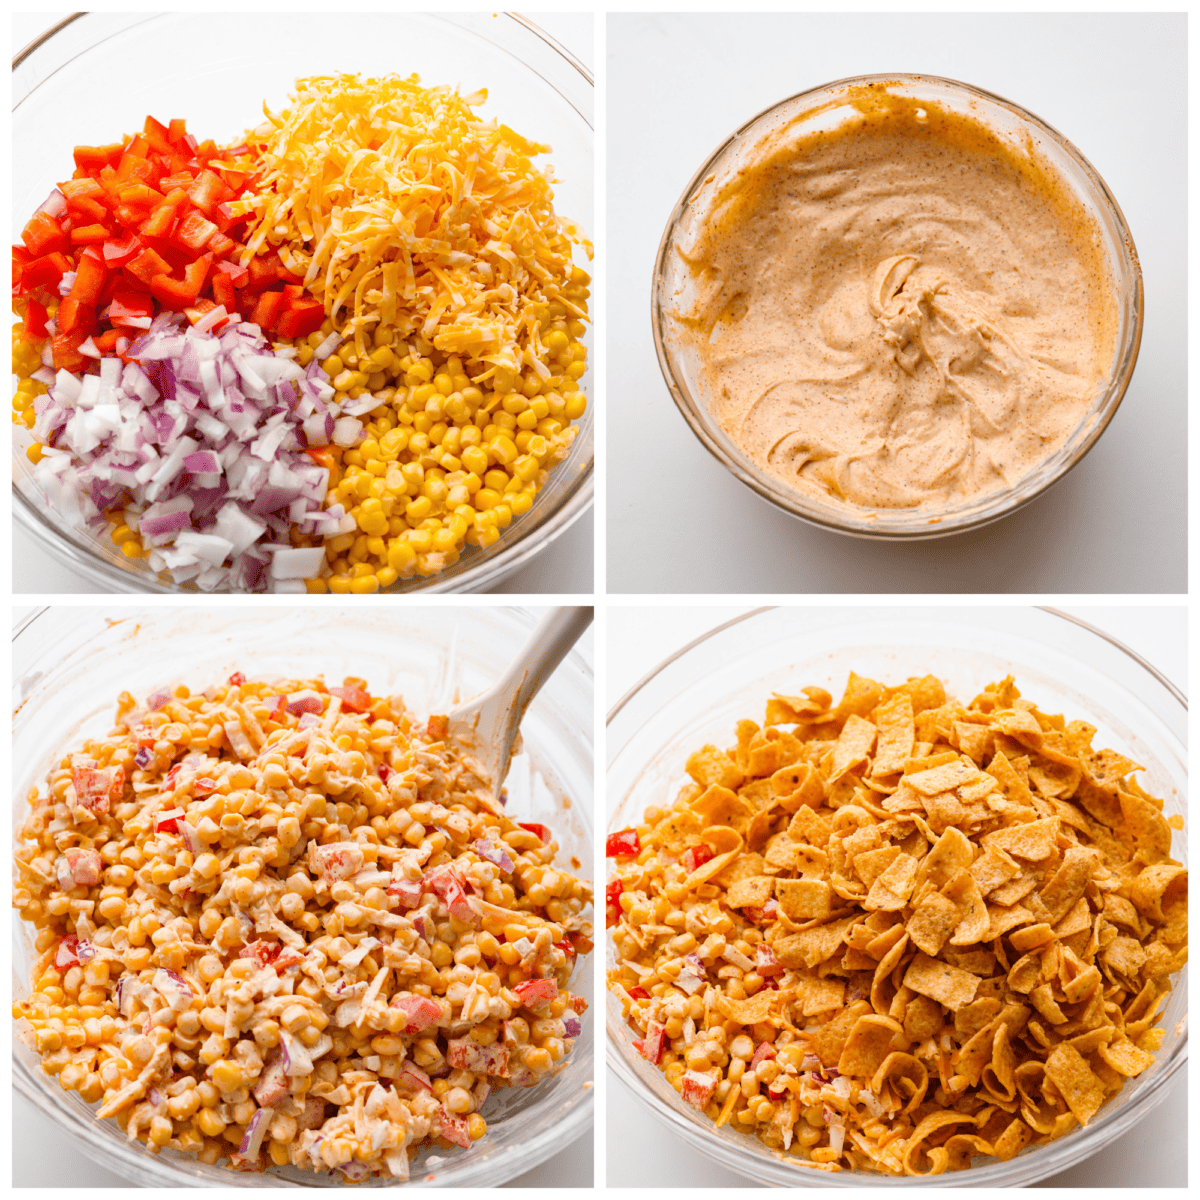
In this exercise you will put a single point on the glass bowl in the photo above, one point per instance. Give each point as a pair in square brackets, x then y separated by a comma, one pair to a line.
[1059, 662]
[220, 85]
[1016, 126]
[69, 664]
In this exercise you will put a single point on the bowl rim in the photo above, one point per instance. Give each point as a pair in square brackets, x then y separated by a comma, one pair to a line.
[980, 513]
[1117, 1122]
[65, 545]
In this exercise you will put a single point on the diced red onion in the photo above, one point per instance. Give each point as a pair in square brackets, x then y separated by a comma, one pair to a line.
[255, 1132]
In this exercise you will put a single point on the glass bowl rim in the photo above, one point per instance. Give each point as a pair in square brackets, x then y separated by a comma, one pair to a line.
[1002, 503]
[66, 547]
[1117, 1122]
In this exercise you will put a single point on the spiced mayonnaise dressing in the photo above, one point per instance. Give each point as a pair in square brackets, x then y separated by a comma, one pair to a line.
[900, 311]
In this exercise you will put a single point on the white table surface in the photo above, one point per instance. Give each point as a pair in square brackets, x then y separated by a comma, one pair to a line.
[565, 567]
[677, 85]
[641, 1153]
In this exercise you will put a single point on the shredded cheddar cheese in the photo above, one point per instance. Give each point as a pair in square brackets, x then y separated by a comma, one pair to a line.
[400, 207]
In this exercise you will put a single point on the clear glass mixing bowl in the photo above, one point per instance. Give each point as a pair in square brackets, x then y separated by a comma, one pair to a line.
[219, 84]
[813, 109]
[69, 665]
[1064, 665]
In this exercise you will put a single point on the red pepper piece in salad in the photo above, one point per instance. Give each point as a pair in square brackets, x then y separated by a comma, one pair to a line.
[623, 844]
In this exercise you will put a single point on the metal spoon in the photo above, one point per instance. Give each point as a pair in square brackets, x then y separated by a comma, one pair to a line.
[491, 721]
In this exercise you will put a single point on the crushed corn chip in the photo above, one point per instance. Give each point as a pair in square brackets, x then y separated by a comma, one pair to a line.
[933, 932]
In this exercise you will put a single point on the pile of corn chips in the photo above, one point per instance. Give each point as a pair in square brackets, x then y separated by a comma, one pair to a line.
[900, 934]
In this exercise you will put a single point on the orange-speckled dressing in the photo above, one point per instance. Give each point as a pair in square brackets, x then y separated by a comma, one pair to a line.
[901, 311]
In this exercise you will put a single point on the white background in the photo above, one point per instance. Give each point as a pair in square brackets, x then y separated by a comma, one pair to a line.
[565, 566]
[641, 1153]
[1115, 85]
[44, 1157]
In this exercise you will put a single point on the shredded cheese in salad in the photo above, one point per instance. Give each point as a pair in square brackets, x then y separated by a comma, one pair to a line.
[400, 207]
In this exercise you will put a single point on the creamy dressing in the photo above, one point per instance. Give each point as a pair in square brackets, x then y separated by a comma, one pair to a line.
[901, 311]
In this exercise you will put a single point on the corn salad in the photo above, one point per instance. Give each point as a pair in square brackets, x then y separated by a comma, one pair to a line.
[288, 924]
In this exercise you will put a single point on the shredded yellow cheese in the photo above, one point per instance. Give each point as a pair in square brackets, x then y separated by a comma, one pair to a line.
[398, 205]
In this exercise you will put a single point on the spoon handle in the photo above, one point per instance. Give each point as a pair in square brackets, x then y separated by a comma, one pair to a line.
[547, 646]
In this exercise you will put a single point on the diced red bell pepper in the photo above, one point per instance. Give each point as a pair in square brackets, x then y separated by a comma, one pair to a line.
[138, 195]
[46, 271]
[94, 158]
[161, 221]
[67, 954]
[696, 857]
[698, 1089]
[583, 945]
[204, 787]
[652, 1045]
[194, 231]
[638, 993]
[76, 189]
[539, 831]
[223, 292]
[267, 310]
[181, 179]
[765, 962]
[65, 349]
[43, 234]
[226, 218]
[238, 275]
[237, 678]
[765, 1051]
[21, 258]
[148, 265]
[266, 269]
[73, 316]
[354, 699]
[623, 844]
[129, 214]
[535, 992]
[200, 308]
[106, 342]
[762, 916]
[90, 210]
[206, 149]
[301, 319]
[117, 252]
[208, 191]
[35, 319]
[178, 294]
[168, 820]
[90, 274]
[220, 245]
[157, 135]
[612, 903]
[177, 130]
[89, 235]
[127, 305]
[134, 167]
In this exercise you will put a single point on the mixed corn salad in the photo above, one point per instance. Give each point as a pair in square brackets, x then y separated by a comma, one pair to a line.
[289, 924]
[399, 257]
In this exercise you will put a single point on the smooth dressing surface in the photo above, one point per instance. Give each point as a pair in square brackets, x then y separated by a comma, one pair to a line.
[897, 311]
